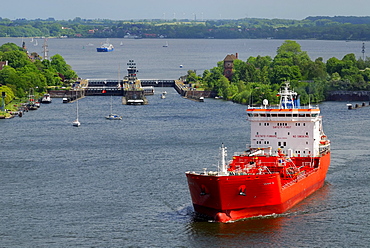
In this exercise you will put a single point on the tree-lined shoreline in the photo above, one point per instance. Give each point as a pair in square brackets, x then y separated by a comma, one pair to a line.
[317, 27]
[29, 71]
[261, 77]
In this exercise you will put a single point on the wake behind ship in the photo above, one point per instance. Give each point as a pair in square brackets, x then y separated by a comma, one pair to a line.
[287, 160]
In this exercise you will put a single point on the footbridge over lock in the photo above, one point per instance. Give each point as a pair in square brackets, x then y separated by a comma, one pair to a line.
[94, 87]
[109, 87]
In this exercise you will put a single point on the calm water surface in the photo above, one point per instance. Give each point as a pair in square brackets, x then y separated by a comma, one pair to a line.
[155, 61]
[122, 183]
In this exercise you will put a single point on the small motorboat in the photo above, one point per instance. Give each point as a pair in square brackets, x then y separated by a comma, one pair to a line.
[113, 117]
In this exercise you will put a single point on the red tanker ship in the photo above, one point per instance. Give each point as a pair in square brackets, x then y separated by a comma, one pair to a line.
[287, 160]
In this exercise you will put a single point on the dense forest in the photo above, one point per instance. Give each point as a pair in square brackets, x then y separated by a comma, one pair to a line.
[320, 27]
[260, 77]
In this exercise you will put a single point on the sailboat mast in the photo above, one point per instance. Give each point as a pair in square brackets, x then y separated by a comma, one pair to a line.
[76, 106]
[111, 104]
[77, 110]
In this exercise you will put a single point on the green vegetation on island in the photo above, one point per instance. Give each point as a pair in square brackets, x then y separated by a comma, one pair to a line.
[319, 27]
[260, 77]
[29, 71]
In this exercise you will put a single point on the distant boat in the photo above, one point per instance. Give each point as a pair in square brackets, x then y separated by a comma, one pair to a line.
[165, 45]
[76, 123]
[106, 47]
[46, 99]
[112, 116]
[31, 104]
[36, 44]
[163, 95]
[121, 44]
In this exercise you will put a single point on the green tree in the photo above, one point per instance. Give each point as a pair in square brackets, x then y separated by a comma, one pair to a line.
[16, 59]
[223, 85]
[58, 63]
[9, 95]
[290, 47]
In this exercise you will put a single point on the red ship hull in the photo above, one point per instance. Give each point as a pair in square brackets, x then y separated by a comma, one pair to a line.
[234, 197]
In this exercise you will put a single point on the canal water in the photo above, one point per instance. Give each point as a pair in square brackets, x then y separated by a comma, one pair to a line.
[122, 183]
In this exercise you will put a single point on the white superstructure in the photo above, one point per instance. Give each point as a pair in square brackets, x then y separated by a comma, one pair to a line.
[288, 128]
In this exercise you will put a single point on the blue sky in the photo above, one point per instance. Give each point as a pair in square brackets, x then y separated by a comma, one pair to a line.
[179, 9]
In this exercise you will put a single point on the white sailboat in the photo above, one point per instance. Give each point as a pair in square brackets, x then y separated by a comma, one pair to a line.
[166, 45]
[76, 123]
[163, 95]
[112, 116]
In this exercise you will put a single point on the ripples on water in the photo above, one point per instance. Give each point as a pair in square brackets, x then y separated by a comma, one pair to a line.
[122, 183]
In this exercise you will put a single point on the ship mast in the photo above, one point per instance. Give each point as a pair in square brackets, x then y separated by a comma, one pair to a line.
[288, 98]
[223, 159]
